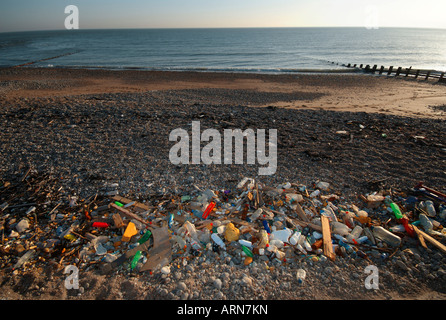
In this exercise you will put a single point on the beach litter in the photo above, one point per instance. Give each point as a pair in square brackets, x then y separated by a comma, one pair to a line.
[42, 225]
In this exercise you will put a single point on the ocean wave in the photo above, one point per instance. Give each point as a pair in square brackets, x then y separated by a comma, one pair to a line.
[217, 69]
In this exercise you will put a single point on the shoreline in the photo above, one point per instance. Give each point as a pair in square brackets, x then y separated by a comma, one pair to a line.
[356, 92]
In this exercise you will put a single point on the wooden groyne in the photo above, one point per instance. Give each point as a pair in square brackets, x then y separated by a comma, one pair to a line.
[45, 59]
[423, 74]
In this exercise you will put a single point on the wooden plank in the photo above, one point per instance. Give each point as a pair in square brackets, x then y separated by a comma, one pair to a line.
[303, 224]
[118, 220]
[420, 237]
[436, 243]
[129, 214]
[300, 212]
[326, 236]
[427, 75]
[138, 205]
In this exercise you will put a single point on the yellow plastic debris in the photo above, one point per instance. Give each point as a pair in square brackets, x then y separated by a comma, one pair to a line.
[130, 231]
[231, 232]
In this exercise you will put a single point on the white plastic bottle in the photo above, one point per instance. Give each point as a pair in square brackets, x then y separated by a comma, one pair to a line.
[301, 275]
[354, 235]
[430, 209]
[245, 243]
[386, 236]
[294, 238]
[218, 240]
[340, 228]
[25, 258]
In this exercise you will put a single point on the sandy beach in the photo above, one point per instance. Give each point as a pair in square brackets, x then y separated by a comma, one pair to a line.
[345, 92]
[362, 133]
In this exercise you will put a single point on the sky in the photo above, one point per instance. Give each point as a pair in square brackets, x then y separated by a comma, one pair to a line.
[28, 15]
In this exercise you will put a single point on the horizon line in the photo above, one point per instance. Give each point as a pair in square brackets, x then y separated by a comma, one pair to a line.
[204, 28]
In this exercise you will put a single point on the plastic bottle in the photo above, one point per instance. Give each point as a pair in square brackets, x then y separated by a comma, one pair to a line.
[347, 247]
[362, 239]
[425, 222]
[264, 239]
[339, 237]
[315, 193]
[397, 228]
[340, 228]
[301, 249]
[348, 219]
[328, 211]
[430, 209]
[293, 239]
[301, 275]
[354, 235]
[245, 243]
[317, 235]
[247, 251]
[369, 235]
[242, 182]
[282, 235]
[396, 210]
[195, 245]
[323, 185]
[256, 214]
[293, 197]
[386, 236]
[25, 258]
[266, 226]
[307, 245]
[205, 236]
[279, 254]
[218, 240]
[178, 239]
[135, 260]
[191, 230]
[277, 243]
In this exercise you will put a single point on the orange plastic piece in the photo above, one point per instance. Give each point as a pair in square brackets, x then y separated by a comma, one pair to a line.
[130, 231]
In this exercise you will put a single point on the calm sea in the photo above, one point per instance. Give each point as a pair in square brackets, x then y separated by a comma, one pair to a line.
[265, 50]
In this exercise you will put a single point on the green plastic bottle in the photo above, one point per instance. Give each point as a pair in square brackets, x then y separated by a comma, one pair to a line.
[145, 237]
[396, 210]
[247, 251]
[135, 259]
